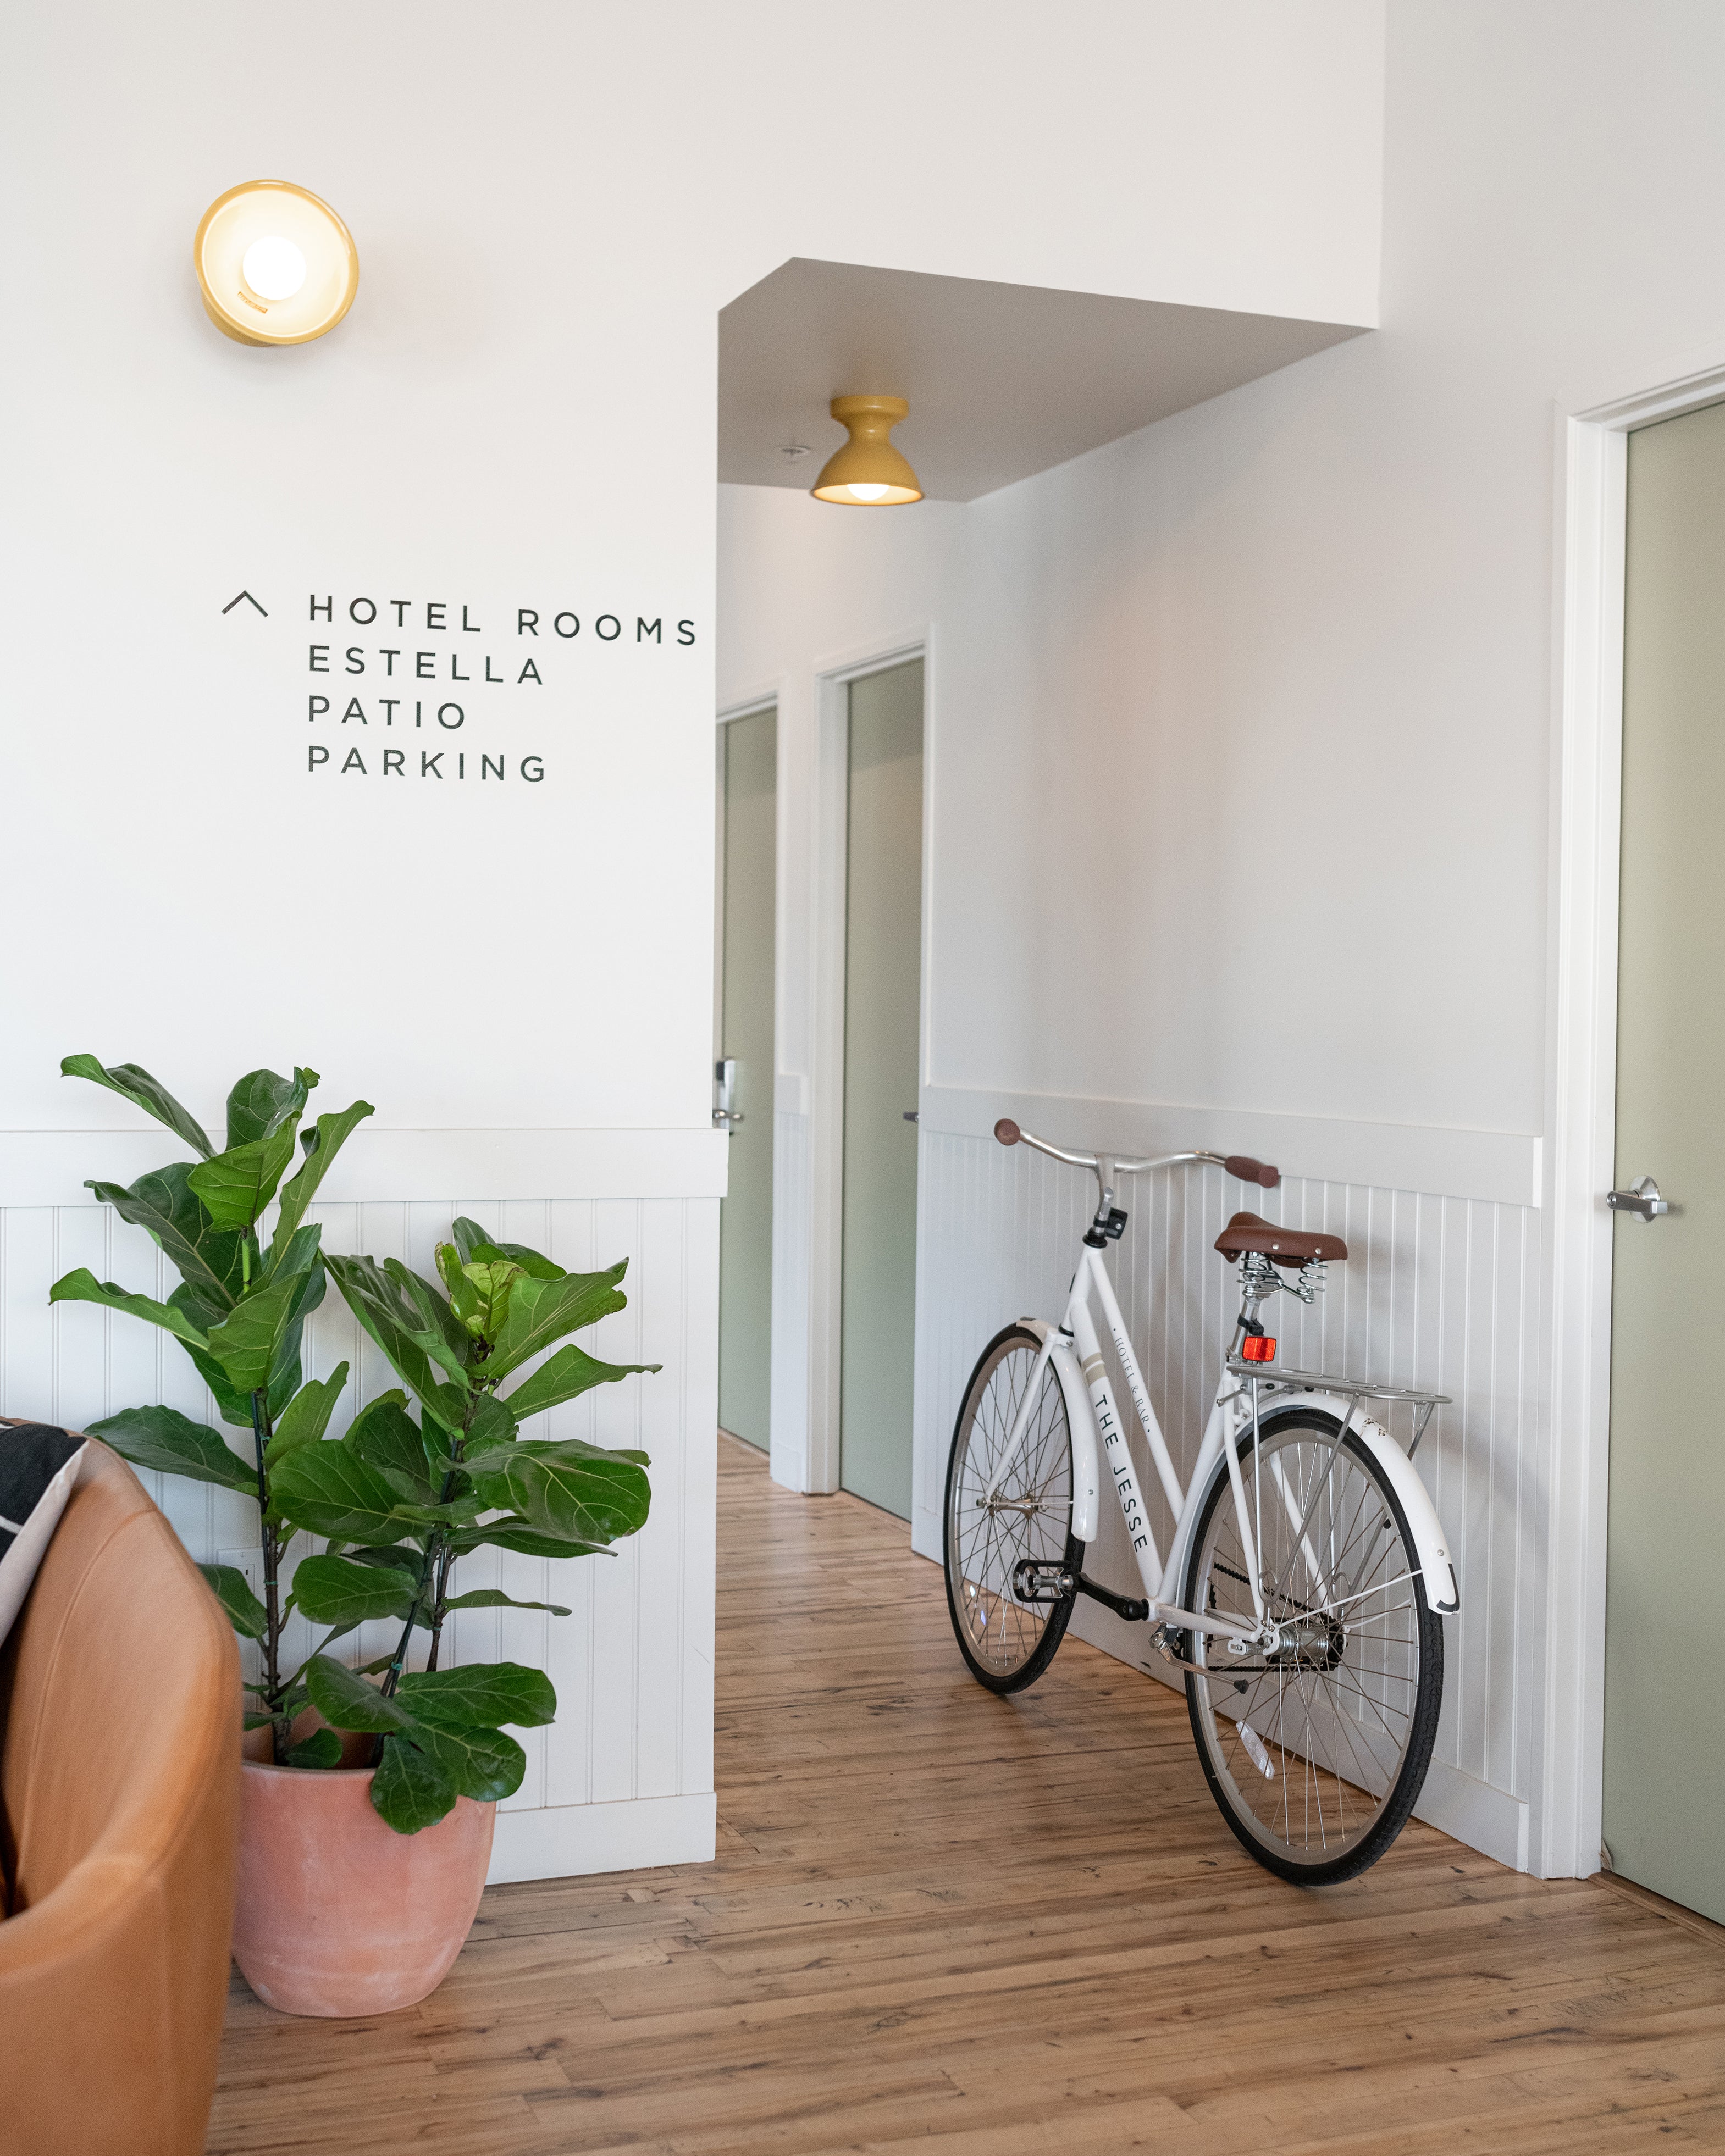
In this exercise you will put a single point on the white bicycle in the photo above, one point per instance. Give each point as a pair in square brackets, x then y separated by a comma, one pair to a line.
[1308, 1570]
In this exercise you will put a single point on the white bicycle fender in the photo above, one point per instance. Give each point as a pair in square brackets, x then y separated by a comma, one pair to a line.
[1429, 1545]
[1087, 1481]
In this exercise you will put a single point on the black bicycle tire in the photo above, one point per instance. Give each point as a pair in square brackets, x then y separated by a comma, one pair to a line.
[1399, 1803]
[1060, 1613]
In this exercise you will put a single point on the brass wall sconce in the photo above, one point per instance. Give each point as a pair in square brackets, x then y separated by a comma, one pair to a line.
[275, 264]
[867, 473]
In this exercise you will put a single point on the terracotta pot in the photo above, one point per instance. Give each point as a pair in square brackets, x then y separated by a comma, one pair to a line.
[335, 1914]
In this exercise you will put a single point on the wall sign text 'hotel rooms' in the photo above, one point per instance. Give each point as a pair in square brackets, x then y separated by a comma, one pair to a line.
[392, 699]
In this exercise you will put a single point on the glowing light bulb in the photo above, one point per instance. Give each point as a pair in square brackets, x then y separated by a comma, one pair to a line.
[864, 491]
[274, 269]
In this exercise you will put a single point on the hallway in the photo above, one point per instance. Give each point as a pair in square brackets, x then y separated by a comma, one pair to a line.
[998, 1928]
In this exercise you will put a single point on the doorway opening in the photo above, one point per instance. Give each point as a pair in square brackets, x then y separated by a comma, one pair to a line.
[1664, 1715]
[882, 1066]
[743, 975]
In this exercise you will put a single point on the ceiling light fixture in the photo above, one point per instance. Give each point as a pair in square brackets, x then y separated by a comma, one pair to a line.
[867, 473]
[276, 265]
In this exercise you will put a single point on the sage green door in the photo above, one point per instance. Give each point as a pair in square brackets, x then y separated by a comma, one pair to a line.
[1665, 1608]
[748, 888]
[883, 1001]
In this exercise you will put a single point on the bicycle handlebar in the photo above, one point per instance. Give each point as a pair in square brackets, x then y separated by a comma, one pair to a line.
[1240, 1165]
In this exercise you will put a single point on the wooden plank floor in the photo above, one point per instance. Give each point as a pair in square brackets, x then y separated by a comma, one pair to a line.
[994, 1928]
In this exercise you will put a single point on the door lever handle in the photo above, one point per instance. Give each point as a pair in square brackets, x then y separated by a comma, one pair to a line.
[1642, 1197]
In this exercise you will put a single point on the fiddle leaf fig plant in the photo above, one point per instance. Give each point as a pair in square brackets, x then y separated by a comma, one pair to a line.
[423, 1475]
[239, 1310]
[400, 1500]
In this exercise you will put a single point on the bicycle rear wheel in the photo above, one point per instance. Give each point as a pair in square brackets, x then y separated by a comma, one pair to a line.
[1315, 1749]
[1007, 1641]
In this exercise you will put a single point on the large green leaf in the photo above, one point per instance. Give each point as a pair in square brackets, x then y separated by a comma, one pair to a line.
[402, 1555]
[232, 1590]
[335, 1590]
[306, 1416]
[236, 1186]
[512, 1534]
[398, 1328]
[562, 1376]
[541, 1311]
[210, 1260]
[347, 1701]
[487, 1418]
[387, 1437]
[262, 1100]
[322, 1749]
[328, 1489]
[303, 1262]
[134, 1084]
[246, 1342]
[323, 1143]
[566, 1488]
[451, 1343]
[492, 1598]
[235, 1407]
[83, 1286]
[410, 1790]
[483, 1764]
[164, 1439]
[476, 1246]
[481, 1695]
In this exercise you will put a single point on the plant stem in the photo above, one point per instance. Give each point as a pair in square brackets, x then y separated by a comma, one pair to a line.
[272, 1593]
[398, 1660]
[437, 1609]
[438, 1560]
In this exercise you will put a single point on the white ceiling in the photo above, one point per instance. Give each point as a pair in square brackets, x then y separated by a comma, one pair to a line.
[1003, 380]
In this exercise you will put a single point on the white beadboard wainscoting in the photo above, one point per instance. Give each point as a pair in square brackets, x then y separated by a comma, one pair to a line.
[625, 1776]
[1437, 1291]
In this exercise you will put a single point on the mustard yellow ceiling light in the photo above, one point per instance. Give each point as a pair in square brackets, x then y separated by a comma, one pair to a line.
[276, 265]
[867, 473]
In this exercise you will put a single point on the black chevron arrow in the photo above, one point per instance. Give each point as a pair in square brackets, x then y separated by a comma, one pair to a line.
[238, 596]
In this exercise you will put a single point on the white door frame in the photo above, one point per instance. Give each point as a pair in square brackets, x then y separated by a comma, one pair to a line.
[1592, 464]
[826, 1240]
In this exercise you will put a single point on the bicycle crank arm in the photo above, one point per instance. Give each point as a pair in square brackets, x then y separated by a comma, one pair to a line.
[1034, 1583]
[1134, 1611]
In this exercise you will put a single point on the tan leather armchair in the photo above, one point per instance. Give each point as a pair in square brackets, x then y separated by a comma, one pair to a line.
[119, 1809]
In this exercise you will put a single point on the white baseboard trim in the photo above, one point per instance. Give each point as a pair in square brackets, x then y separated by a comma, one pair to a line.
[1503, 1166]
[562, 1842]
[1487, 1819]
[50, 1167]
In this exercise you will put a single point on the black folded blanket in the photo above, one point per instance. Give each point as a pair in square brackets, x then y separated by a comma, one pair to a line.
[31, 1454]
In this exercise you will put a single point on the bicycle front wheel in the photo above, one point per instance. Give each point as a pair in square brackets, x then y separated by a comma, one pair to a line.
[1315, 1747]
[1007, 1641]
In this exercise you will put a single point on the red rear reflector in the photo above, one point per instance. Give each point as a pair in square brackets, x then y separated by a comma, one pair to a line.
[1258, 1348]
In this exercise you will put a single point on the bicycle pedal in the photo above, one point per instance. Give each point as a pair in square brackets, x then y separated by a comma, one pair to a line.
[1040, 1584]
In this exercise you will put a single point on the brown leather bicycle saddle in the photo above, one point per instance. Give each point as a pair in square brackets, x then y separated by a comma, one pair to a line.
[1283, 1246]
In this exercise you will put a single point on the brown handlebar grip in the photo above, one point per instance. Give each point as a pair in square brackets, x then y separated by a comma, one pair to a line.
[1006, 1130]
[1248, 1170]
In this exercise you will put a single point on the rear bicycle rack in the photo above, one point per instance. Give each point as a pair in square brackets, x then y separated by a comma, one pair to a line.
[1267, 1380]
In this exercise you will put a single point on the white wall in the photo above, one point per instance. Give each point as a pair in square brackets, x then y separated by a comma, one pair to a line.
[1242, 777]
[551, 203]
